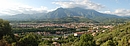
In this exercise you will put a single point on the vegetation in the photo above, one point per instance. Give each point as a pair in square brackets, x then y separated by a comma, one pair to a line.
[29, 40]
[5, 28]
[118, 36]
[6, 35]
[86, 40]
[52, 30]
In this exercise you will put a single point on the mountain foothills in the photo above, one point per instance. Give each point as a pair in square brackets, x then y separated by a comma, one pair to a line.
[70, 13]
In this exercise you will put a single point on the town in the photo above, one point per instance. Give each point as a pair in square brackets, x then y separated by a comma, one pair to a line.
[79, 28]
[63, 30]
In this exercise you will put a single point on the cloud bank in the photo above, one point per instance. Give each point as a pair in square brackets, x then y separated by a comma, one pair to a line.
[16, 8]
[80, 3]
[11, 8]
[120, 12]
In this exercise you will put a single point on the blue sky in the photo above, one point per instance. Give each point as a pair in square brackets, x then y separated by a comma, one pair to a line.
[12, 7]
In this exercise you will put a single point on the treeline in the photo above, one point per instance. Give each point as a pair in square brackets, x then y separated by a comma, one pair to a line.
[52, 30]
[7, 37]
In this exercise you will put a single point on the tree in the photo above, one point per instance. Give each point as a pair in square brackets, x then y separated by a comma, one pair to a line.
[29, 40]
[125, 41]
[5, 28]
[108, 43]
[86, 40]
[6, 36]
[98, 41]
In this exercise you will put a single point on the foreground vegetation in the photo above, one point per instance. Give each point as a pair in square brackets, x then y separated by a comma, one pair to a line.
[118, 36]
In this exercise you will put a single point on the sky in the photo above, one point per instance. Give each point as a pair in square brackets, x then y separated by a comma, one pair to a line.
[12, 7]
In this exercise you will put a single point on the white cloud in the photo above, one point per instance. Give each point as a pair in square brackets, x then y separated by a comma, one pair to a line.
[52, 9]
[91, 5]
[119, 12]
[79, 3]
[107, 12]
[122, 12]
[11, 8]
[23, 9]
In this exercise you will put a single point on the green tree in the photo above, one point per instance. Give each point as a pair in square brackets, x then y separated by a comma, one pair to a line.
[86, 40]
[8, 38]
[29, 40]
[108, 43]
[5, 28]
[98, 41]
[125, 41]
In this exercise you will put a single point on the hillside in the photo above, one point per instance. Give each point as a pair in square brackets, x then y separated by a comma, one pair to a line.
[87, 13]
[71, 19]
[24, 17]
[119, 36]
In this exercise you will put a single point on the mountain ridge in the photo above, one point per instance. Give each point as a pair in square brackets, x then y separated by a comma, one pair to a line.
[67, 12]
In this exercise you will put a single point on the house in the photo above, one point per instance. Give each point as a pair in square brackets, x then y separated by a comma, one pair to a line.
[78, 33]
[55, 38]
[103, 31]
[46, 33]
[94, 33]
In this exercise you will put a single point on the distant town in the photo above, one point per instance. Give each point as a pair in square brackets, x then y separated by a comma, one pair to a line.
[80, 28]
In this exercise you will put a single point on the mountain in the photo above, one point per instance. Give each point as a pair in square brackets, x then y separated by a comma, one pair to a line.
[24, 17]
[71, 19]
[61, 12]
[87, 13]
[67, 12]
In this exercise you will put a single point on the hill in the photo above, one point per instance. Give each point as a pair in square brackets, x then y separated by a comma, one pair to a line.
[87, 13]
[119, 36]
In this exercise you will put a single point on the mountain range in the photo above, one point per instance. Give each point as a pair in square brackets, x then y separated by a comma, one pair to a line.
[72, 13]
